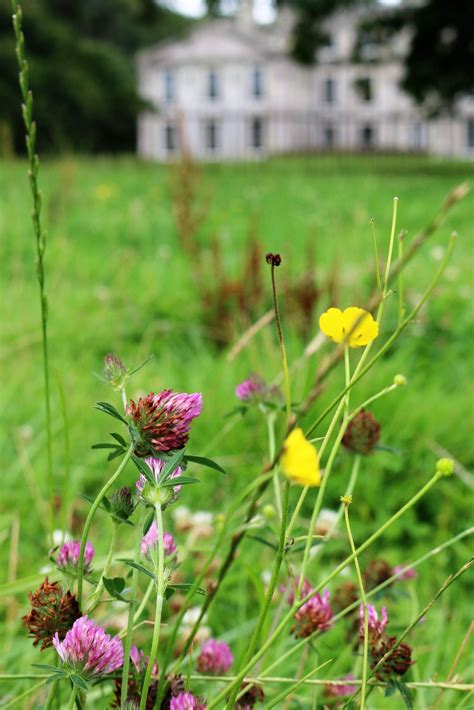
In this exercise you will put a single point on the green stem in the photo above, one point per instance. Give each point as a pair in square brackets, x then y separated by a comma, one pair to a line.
[270, 591]
[26, 693]
[376, 255]
[88, 523]
[51, 695]
[298, 604]
[365, 655]
[95, 597]
[160, 590]
[390, 249]
[388, 343]
[271, 452]
[39, 232]
[284, 361]
[72, 699]
[401, 296]
[347, 372]
[131, 615]
[289, 691]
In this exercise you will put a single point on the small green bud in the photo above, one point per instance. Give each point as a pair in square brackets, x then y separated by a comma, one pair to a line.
[400, 380]
[445, 467]
[122, 503]
[269, 511]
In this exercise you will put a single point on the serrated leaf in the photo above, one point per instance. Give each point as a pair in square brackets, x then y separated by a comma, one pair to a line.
[109, 409]
[171, 464]
[405, 693]
[139, 567]
[144, 469]
[205, 461]
[148, 522]
[179, 481]
[79, 681]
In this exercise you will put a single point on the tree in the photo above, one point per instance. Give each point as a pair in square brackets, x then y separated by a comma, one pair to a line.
[80, 56]
[439, 66]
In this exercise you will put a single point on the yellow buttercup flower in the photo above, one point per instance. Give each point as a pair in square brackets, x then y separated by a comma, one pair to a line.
[337, 325]
[299, 460]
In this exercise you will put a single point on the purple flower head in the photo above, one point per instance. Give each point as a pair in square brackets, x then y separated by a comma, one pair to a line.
[334, 691]
[162, 421]
[140, 661]
[156, 466]
[68, 555]
[215, 657]
[314, 615]
[305, 590]
[88, 650]
[251, 388]
[186, 701]
[403, 572]
[150, 539]
[376, 625]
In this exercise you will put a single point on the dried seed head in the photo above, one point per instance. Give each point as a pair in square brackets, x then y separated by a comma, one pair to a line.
[273, 259]
[376, 572]
[362, 433]
[397, 663]
[52, 612]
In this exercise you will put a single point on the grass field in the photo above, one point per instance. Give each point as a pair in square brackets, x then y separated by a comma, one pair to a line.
[118, 281]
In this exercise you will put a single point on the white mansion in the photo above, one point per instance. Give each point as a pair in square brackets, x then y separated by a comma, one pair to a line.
[230, 90]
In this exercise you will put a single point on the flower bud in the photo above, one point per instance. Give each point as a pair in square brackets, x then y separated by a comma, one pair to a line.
[445, 467]
[115, 372]
[269, 511]
[122, 504]
[400, 380]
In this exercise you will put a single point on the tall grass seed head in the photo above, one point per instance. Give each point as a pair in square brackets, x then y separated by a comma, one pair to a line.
[53, 612]
[362, 433]
[353, 325]
[299, 460]
[162, 421]
[88, 651]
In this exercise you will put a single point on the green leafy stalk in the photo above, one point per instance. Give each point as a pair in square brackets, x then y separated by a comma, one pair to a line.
[160, 591]
[95, 597]
[87, 526]
[39, 232]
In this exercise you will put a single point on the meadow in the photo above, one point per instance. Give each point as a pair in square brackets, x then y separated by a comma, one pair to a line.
[123, 277]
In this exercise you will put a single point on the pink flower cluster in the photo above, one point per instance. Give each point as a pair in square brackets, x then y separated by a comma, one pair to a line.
[156, 466]
[215, 657]
[404, 573]
[376, 625]
[162, 421]
[186, 701]
[150, 539]
[334, 691]
[68, 555]
[252, 387]
[315, 615]
[140, 661]
[88, 650]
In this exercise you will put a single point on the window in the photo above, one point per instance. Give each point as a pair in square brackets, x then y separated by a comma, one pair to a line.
[329, 91]
[212, 136]
[257, 133]
[169, 86]
[212, 85]
[170, 137]
[364, 88]
[367, 137]
[257, 83]
[329, 136]
[470, 133]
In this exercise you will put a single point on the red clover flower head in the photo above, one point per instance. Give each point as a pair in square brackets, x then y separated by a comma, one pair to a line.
[376, 625]
[215, 657]
[404, 573]
[305, 590]
[88, 650]
[150, 539]
[186, 701]
[162, 421]
[140, 661]
[314, 615]
[68, 555]
[251, 388]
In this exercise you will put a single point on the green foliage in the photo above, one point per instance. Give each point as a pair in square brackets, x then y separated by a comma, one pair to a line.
[81, 69]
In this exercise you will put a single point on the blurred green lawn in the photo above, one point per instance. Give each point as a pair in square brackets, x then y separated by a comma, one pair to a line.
[118, 281]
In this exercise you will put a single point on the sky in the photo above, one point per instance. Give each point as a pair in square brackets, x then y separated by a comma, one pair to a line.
[195, 8]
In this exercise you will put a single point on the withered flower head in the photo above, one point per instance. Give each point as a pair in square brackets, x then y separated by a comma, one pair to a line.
[52, 612]
[362, 433]
[273, 259]
[252, 696]
[162, 421]
[397, 663]
[376, 572]
[345, 595]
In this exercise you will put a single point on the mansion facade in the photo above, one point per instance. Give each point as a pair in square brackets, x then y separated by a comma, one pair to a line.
[230, 90]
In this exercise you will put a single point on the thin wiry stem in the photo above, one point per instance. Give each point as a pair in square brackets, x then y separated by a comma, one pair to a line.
[39, 232]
